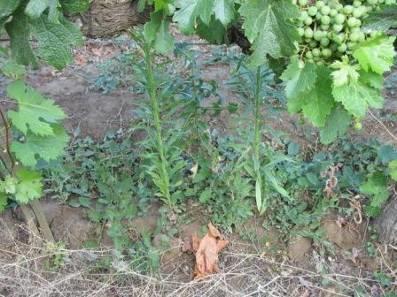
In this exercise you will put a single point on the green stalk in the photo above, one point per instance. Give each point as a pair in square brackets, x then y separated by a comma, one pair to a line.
[256, 143]
[258, 126]
[152, 91]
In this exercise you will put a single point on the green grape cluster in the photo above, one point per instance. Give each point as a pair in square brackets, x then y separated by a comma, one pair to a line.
[331, 29]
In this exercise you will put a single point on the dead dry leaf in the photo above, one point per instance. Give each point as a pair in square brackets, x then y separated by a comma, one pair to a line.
[207, 251]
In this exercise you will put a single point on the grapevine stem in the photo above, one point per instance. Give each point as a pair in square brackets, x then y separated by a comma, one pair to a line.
[7, 136]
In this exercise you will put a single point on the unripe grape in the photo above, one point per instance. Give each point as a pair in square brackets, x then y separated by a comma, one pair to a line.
[372, 2]
[318, 16]
[303, 16]
[325, 20]
[352, 22]
[337, 27]
[301, 31]
[342, 48]
[309, 55]
[303, 2]
[326, 52]
[354, 36]
[316, 52]
[350, 45]
[339, 7]
[312, 11]
[318, 35]
[359, 12]
[312, 43]
[333, 12]
[357, 3]
[324, 41]
[348, 9]
[325, 27]
[339, 38]
[325, 10]
[339, 19]
[308, 33]
[320, 4]
[308, 21]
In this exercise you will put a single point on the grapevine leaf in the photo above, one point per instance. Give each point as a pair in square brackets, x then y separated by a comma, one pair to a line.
[345, 73]
[376, 188]
[29, 186]
[376, 54]
[7, 7]
[156, 31]
[224, 11]
[18, 30]
[214, 32]
[337, 124]
[300, 78]
[267, 26]
[372, 79]
[383, 19]
[3, 201]
[393, 169]
[190, 10]
[319, 102]
[37, 147]
[35, 9]
[8, 185]
[75, 6]
[55, 41]
[357, 97]
[35, 113]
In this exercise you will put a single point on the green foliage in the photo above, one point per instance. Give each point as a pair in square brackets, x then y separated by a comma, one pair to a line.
[333, 59]
[43, 21]
[267, 25]
[376, 187]
[382, 19]
[75, 6]
[35, 113]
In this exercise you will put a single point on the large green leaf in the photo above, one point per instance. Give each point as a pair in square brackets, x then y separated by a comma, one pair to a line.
[19, 31]
[34, 147]
[308, 89]
[156, 32]
[75, 6]
[36, 8]
[383, 19]
[35, 113]
[299, 79]
[29, 186]
[56, 40]
[336, 125]
[376, 54]
[357, 97]
[267, 25]
[319, 101]
[7, 7]
[190, 12]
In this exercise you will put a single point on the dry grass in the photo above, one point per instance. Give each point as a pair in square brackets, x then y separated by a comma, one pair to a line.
[24, 272]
